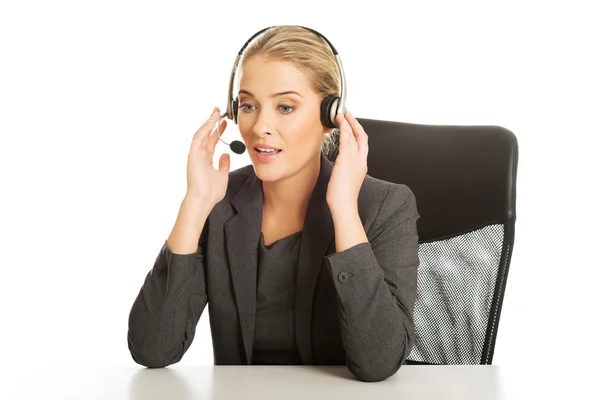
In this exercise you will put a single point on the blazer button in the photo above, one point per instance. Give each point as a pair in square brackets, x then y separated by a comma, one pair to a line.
[343, 277]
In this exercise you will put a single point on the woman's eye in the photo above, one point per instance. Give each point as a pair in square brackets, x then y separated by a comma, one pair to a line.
[246, 107]
[249, 108]
[286, 109]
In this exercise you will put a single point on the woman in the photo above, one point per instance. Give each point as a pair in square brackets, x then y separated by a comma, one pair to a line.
[300, 261]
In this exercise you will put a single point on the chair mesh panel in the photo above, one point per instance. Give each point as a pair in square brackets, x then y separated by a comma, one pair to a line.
[456, 280]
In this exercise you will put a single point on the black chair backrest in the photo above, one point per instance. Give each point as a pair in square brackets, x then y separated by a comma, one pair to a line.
[464, 180]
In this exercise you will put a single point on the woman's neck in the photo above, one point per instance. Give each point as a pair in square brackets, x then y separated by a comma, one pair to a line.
[289, 198]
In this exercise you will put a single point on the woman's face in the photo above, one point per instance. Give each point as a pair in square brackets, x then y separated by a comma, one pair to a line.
[278, 108]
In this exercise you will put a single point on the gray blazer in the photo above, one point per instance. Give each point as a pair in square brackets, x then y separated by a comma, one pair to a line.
[352, 308]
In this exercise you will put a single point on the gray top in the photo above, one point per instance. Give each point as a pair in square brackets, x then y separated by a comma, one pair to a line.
[274, 338]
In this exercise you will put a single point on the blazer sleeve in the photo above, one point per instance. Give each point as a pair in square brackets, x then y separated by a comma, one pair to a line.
[166, 311]
[376, 284]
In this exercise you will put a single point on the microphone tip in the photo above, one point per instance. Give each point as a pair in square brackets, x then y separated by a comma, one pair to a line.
[237, 147]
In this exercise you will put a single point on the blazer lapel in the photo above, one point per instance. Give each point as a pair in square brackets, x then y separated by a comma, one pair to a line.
[317, 237]
[242, 235]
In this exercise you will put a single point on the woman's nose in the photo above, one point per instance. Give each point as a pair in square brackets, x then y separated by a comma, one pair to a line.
[263, 124]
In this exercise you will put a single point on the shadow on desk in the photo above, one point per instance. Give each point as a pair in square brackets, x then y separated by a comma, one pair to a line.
[160, 384]
[175, 383]
[314, 382]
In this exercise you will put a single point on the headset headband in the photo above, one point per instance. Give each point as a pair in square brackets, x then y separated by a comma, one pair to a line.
[342, 104]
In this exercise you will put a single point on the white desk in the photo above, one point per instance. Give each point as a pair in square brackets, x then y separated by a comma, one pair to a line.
[254, 382]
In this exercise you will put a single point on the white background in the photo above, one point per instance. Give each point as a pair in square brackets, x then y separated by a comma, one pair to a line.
[99, 102]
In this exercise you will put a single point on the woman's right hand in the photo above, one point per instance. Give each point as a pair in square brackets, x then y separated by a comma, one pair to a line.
[204, 182]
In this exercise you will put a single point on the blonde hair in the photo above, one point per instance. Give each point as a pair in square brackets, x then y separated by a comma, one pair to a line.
[310, 53]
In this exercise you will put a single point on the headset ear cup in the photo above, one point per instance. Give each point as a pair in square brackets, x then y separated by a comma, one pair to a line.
[329, 107]
[234, 110]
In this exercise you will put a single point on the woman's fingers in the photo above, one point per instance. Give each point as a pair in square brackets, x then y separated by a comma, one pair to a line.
[347, 137]
[204, 131]
[224, 163]
[362, 139]
[211, 143]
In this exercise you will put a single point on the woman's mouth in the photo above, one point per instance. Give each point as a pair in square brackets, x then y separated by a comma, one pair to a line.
[266, 154]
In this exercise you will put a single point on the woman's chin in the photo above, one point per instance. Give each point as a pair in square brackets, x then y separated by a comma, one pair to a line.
[266, 173]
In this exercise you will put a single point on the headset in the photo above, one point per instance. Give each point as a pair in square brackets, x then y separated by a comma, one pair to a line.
[330, 106]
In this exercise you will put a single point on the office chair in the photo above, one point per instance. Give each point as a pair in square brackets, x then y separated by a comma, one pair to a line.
[464, 181]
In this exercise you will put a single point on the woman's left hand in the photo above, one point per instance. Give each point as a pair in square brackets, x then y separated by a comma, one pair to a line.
[350, 166]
